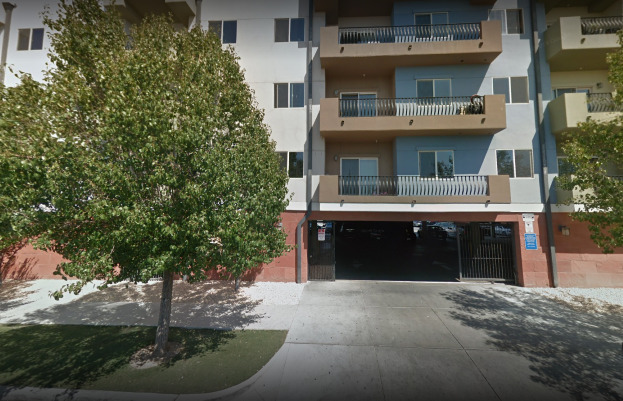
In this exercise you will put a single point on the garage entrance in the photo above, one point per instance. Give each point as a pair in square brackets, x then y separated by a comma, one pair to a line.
[411, 251]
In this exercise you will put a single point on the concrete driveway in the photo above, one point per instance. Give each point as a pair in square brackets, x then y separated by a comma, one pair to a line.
[362, 340]
[374, 340]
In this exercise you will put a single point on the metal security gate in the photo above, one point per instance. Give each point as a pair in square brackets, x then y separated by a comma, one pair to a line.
[321, 254]
[486, 252]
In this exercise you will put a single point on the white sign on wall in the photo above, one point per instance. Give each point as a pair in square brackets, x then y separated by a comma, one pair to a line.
[528, 219]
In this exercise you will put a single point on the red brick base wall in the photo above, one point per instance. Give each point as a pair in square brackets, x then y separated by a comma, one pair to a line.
[580, 262]
[24, 262]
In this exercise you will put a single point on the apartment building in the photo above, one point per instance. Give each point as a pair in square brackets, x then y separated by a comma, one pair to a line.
[422, 138]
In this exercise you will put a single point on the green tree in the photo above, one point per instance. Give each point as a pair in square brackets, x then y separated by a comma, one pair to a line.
[594, 152]
[138, 156]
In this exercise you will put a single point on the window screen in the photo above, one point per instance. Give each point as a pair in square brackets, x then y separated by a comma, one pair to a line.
[215, 27]
[523, 163]
[282, 26]
[283, 156]
[514, 21]
[281, 95]
[23, 39]
[519, 89]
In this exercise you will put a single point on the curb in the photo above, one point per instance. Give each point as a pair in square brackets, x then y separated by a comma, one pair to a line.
[10, 393]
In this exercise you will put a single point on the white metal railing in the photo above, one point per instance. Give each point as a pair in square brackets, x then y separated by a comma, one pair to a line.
[601, 25]
[413, 185]
[601, 103]
[409, 34]
[416, 106]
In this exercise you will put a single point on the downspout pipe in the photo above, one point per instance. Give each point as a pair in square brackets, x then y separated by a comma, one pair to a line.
[8, 10]
[308, 186]
[198, 13]
[542, 143]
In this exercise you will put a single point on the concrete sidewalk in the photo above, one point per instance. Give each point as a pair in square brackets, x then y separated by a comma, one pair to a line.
[399, 341]
[213, 304]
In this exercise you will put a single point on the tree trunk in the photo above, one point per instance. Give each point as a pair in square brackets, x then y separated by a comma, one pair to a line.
[164, 319]
[237, 283]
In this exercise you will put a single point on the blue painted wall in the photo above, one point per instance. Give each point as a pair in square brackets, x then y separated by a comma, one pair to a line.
[477, 154]
[458, 11]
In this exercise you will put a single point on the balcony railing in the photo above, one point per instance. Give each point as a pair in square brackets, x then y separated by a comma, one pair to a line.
[409, 34]
[458, 185]
[422, 106]
[601, 103]
[601, 25]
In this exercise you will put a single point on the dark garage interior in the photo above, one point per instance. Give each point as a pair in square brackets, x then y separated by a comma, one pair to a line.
[397, 251]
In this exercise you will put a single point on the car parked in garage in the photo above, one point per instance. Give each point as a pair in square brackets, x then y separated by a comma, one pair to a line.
[435, 231]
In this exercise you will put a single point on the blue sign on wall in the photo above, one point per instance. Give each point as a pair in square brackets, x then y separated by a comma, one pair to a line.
[530, 240]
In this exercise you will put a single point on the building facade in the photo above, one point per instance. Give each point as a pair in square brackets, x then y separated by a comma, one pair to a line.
[422, 138]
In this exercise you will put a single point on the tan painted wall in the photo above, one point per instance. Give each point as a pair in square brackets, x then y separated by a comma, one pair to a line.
[556, 13]
[588, 79]
[382, 150]
[384, 128]
[382, 86]
[382, 58]
[567, 49]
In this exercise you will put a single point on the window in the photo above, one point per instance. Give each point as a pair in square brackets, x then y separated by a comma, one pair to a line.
[295, 164]
[433, 88]
[562, 91]
[431, 25]
[289, 29]
[515, 163]
[437, 164]
[511, 19]
[289, 95]
[359, 175]
[292, 162]
[30, 39]
[565, 167]
[514, 88]
[358, 104]
[225, 30]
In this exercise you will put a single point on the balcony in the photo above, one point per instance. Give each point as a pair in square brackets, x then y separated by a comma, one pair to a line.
[406, 189]
[575, 43]
[379, 50]
[376, 119]
[568, 110]
[578, 196]
[134, 10]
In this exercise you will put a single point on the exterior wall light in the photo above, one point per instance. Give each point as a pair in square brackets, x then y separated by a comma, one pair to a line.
[564, 230]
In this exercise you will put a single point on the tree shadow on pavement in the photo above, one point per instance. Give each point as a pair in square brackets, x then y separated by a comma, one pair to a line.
[14, 293]
[574, 351]
[70, 356]
[204, 305]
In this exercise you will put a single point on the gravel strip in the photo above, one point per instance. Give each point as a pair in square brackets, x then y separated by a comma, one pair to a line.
[598, 300]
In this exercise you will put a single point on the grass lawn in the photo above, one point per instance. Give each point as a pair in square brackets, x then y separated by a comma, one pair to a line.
[96, 357]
